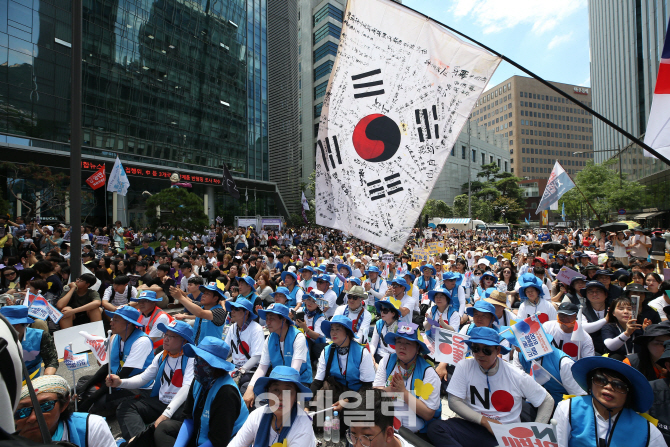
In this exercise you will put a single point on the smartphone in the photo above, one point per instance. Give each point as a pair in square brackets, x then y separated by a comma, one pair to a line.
[300, 316]
[635, 303]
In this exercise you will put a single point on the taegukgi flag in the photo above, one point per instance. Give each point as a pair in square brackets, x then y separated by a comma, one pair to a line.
[657, 135]
[401, 90]
[558, 184]
[75, 361]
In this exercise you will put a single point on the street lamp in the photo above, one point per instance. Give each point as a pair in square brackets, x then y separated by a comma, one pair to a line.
[618, 154]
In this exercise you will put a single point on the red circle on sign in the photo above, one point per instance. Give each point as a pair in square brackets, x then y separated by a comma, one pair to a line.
[543, 319]
[521, 432]
[502, 401]
[445, 348]
[570, 349]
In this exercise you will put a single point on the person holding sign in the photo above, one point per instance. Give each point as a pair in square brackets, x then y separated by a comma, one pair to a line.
[608, 414]
[533, 302]
[388, 323]
[486, 390]
[406, 372]
[38, 346]
[171, 372]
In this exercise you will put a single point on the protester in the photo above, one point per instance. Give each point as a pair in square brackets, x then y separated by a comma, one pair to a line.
[355, 310]
[562, 330]
[388, 323]
[152, 316]
[649, 350]
[246, 340]
[80, 304]
[210, 318]
[660, 409]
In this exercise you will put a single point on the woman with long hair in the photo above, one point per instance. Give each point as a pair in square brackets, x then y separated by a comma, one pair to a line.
[649, 349]
[638, 278]
[621, 329]
[653, 282]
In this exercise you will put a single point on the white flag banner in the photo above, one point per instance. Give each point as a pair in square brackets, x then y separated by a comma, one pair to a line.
[305, 204]
[399, 94]
[98, 345]
[118, 180]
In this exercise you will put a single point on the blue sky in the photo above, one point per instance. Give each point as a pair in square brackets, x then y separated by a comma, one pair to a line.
[548, 37]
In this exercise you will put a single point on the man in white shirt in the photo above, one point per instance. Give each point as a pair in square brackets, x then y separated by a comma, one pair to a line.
[323, 283]
[172, 375]
[640, 245]
[561, 330]
[187, 273]
[357, 313]
[398, 292]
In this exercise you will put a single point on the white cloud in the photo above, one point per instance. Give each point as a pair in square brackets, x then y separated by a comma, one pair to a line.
[587, 82]
[558, 40]
[497, 15]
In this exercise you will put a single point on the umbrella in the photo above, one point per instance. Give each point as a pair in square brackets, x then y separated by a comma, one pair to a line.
[631, 224]
[614, 226]
[552, 246]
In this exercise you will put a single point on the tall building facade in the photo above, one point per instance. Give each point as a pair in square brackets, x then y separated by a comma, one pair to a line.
[626, 40]
[168, 86]
[540, 126]
[475, 146]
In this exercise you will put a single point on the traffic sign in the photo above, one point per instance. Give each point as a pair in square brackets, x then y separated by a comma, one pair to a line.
[622, 211]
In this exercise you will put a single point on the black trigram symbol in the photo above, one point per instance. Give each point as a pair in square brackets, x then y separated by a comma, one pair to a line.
[367, 84]
[330, 153]
[392, 186]
[424, 113]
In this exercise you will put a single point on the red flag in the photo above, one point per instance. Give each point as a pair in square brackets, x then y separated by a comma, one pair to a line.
[98, 179]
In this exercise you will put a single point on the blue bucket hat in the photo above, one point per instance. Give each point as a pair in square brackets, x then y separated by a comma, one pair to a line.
[320, 269]
[386, 303]
[181, 328]
[354, 280]
[307, 269]
[249, 280]
[485, 274]
[337, 319]
[345, 266]
[373, 269]
[482, 306]
[282, 290]
[442, 290]
[148, 295]
[412, 276]
[212, 350]
[291, 274]
[128, 313]
[530, 280]
[242, 303]
[316, 296]
[643, 395]
[277, 309]
[325, 278]
[408, 331]
[16, 314]
[486, 336]
[402, 282]
[212, 287]
[282, 374]
[429, 266]
[446, 276]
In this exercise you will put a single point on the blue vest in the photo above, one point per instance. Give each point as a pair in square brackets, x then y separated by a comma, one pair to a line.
[419, 372]
[352, 375]
[116, 361]
[453, 299]
[207, 327]
[77, 429]
[552, 363]
[292, 297]
[316, 318]
[421, 283]
[379, 324]
[278, 358]
[31, 343]
[629, 430]
[450, 312]
[203, 433]
[161, 367]
[338, 286]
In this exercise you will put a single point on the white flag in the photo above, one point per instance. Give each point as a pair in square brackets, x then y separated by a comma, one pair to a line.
[98, 346]
[578, 333]
[401, 90]
[118, 180]
[305, 204]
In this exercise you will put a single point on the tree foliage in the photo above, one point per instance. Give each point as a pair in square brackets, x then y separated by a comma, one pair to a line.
[481, 210]
[180, 211]
[435, 208]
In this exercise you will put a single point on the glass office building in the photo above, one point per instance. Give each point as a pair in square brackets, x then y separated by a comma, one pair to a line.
[174, 85]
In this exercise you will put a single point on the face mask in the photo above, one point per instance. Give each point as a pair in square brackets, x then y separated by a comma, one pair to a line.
[21, 239]
[476, 278]
[202, 372]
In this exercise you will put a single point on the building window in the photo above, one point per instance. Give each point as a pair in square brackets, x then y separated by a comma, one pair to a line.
[328, 48]
[474, 156]
[320, 90]
[323, 70]
[452, 150]
[483, 159]
[463, 152]
[317, 110]
[505, 164]
[328, 11]
[329, 29]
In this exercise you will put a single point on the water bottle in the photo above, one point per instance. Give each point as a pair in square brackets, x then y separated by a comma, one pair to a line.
[327, 429]
[336, 429]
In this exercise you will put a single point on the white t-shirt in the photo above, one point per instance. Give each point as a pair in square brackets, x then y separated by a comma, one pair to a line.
[377, 343]
[408, 302]
[155, 332]
[301, 433]
[184, 282]
[508, 387]
[639, 251]
[331, 297]
[99, 434]
[544, 309]
[454, 321]
[566, 378]
[620, 252]
[361, 335]
[366, 369]
[252, 340]
[315, 325]
[142, 347]
[658, 304]
[407, 417]
[119, 298]
[562, 340]
[563, 428]
[299, 349]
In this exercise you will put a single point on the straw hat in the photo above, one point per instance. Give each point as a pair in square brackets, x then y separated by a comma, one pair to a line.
[497, 298]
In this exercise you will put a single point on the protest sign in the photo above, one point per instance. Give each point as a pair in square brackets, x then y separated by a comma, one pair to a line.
[42, 309]
[523, 249]
[435, 248]
[75, 361]
[102, 240]
[525, 434]
[566, 274]
[388, 258]
[98, 346]
[449, 346]
[507, 256]
[531, 338]
[64, 337]
[420, 254]
[66, 237]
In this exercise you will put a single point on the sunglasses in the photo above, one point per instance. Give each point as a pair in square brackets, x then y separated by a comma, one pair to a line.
[385, 310]
[617, 385]
[485, 351]
[46, 407]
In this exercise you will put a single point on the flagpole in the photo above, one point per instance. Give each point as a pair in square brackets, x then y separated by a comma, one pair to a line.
[74, 382]
[106, 214]
[109, 356]
[551, 86]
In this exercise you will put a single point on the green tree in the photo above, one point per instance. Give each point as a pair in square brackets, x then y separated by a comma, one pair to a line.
[481, 209]
[435, 208]
[180, 210]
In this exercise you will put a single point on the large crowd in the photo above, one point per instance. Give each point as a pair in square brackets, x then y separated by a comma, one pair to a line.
[300, 337]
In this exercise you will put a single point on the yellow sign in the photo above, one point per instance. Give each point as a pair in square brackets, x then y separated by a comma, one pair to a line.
[435, 248]
[420, 254]
[544, 218]
[507, 256]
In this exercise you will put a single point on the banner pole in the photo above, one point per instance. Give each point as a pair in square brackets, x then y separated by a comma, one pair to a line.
[109, 356]
[74, 382]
